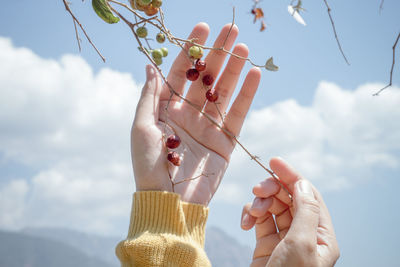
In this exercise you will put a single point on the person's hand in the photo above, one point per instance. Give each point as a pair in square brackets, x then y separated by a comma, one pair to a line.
[305, 235]
[205, 150]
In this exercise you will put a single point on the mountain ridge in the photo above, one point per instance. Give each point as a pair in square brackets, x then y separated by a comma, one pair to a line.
[88, 249]
[21, 250]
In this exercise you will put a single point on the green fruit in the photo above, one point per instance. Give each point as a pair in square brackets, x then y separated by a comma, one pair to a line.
[144, 2]
[196, 52]
[158, 61]
[156, 3]
[103, 11]
[160, 37]
[164, 51]
[157, 53]
[142, 32]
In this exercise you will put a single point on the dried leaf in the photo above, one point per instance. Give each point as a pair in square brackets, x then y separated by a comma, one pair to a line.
[270, 65]
[295, 14]
[263, 26]
[258, 13]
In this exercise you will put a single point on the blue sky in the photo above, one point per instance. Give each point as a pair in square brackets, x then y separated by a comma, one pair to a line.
[317, 112]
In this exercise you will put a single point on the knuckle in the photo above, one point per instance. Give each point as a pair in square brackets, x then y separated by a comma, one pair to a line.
[236, 113]
[233, 71]
[309, 247]
[219, 52]
[223, 91]
[290, 242]
[301, 243]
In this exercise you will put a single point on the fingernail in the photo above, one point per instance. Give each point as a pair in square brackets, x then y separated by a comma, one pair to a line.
[257, 187]
[304, 187]
[150, 71]
[256, 204]
[245, 220]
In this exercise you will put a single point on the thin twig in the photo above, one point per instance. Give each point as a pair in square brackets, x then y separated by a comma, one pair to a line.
[334, 31]
[191, 179]
[252, 157]
[166, 116]
[220, 49]
[77, 36]
[220, 114]
[230, 29]
[144, 21]
[83, 30]
[392, 68]
[148, 44]
[381, 6]
[148, 20]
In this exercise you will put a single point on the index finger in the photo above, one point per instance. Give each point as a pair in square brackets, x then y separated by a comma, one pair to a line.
[285, 172]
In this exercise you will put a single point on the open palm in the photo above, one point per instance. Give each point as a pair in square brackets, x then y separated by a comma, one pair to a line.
[205, 150]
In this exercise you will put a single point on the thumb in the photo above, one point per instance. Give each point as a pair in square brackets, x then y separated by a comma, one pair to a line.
[306, 217]
[147, 108]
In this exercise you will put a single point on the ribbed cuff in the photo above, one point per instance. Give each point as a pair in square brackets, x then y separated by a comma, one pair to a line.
[164, 231]
[196, 217]
[164, 212]
[156, 212]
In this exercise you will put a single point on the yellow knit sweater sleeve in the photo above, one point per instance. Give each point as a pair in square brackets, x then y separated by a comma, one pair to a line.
[164, 231]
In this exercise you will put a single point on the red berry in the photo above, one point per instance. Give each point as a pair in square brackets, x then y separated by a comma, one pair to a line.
[192, 74]
[212, 95]
[200, 65]
[174, 158]
[208, 80]
[173, 141]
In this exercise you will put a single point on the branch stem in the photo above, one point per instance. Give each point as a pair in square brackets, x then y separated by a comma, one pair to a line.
[83, 30]
[334, 31]
[392, 68]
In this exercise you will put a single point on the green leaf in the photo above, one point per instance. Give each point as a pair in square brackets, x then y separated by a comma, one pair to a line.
[103, 11]
[270, 65]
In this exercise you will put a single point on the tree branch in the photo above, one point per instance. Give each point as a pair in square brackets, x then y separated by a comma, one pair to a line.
[334, 31]
[77, 36]
[83, 30]
[381, 6]
[392, 68]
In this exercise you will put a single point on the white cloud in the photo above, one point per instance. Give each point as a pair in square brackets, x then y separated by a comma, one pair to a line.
[344, 137]
[12, 203]
[72, 125]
